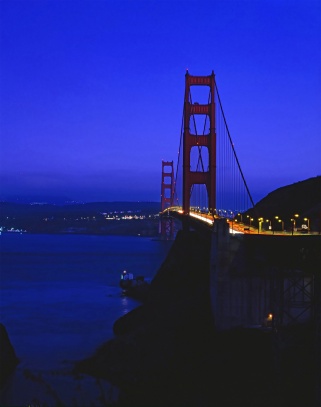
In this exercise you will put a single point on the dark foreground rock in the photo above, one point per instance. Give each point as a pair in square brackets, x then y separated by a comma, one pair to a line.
[167, 353]
[8, 358]
[158, 344]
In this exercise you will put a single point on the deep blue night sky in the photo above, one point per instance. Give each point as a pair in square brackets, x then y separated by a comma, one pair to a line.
[92, 91]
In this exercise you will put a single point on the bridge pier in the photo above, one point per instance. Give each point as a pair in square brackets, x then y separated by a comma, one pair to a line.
[219, 270]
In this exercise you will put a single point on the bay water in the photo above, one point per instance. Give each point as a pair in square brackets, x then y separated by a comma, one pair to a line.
[59, 298]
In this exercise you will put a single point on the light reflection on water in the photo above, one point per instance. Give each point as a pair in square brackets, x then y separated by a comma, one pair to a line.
[126, 304]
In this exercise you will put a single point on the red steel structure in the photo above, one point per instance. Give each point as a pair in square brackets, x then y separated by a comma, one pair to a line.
[167, 199]
[190, 140]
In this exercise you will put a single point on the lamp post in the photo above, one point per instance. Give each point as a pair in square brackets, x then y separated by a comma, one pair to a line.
[308, 223]
[250, 220]
[259, 225]
[282, 224]
[270, 227]
[294, 222]
[275, 217]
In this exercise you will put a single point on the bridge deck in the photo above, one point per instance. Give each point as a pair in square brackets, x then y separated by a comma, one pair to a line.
[235, 226]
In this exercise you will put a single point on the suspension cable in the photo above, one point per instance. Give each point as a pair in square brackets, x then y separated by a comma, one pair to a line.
[234, 152]
[179, 151]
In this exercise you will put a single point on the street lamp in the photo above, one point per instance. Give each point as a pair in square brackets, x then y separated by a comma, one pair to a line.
[282, 224]
[250, 220]
[294, 222]
[270, 227]
[308, 222]
[276, 217]
[260, 225]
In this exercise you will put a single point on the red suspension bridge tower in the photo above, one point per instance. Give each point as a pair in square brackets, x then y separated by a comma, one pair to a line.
[167, 199]
[200, 175]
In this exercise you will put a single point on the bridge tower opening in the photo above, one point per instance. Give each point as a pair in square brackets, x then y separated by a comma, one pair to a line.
[206, 139]
[167, 199]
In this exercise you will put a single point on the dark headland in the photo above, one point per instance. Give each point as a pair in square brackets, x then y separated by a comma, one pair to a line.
[303, 198]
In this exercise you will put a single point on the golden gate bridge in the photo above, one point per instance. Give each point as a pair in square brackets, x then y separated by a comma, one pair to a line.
[253, 279]
[208, 181]
[209, 189]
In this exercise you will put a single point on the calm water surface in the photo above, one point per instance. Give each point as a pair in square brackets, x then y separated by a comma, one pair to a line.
[59, 299]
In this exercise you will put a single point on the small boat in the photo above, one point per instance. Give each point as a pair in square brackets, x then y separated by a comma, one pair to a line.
[133, 286]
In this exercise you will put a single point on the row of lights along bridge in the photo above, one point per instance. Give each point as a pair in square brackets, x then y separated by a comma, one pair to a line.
[275, 224]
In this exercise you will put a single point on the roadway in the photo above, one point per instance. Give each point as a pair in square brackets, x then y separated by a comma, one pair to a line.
[235, 226]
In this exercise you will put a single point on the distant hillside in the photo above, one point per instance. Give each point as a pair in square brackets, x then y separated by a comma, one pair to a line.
[302, 198]
[80, 209]
[97, 217]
